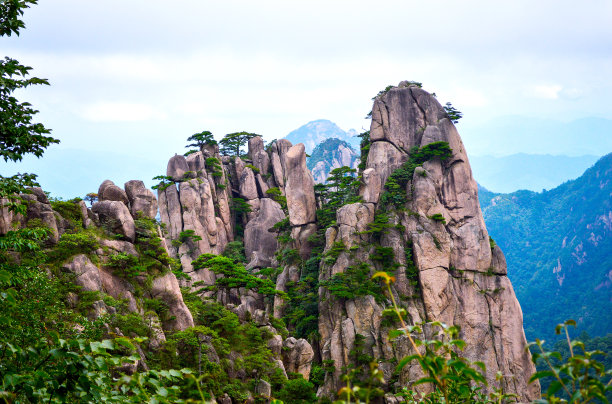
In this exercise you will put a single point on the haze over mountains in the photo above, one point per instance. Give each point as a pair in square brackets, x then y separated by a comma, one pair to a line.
[558, 245]
[499, 162]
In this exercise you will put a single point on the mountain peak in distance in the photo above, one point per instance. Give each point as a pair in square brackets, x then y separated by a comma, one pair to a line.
[315, 132]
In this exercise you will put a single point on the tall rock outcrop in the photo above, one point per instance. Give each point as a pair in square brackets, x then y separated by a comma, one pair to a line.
[447, 270]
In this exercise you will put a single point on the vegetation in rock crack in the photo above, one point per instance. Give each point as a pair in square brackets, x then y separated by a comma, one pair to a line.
[395, 186]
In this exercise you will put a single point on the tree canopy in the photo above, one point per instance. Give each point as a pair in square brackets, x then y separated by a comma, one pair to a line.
[201, 139]
[233, 143]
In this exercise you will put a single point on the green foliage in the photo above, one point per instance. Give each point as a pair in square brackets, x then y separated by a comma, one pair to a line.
[383, 92]
[395, 186]
[233, 143]
[76, 370]
[302, 310]
[252, 167]
[91, 198]
[342, 188]
[412, 272]
[453, 114]
[186, 236]
[235, 251]
[164, 182]
[277, 196]
[365, 149]
[561, 266]
[201, 139]
[11, 187]
[379, 226]
[452, 377]
[437, 217]
[580, 378]
[354, 282]
[125, 265]
[298, 391]
[19, 134]
[234, 275]
[218, 346]
[240, 208]
[70, 211]
[326, 152]
[71, 244]
[334, 252]
[215, 167]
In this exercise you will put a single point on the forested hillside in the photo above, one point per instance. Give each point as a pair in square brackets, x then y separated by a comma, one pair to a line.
[558, 245]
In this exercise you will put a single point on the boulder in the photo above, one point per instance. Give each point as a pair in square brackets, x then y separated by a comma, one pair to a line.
[297, 356]
[177, 167]
[116, 218]
[108, 191]
[166, 288]
[141, 199]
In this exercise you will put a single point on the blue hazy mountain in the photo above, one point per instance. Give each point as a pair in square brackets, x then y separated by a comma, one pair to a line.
[315, 132]
[558, 245]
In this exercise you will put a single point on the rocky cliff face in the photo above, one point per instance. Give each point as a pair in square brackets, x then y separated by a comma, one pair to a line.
[458, 279]
[419, 218]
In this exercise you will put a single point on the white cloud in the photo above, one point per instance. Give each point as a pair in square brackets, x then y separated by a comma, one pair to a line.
[548, 92]
[119, 112]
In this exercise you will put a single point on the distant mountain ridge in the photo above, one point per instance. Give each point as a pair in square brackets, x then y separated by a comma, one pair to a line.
[315, 132]
[558, 245]
[330, 154]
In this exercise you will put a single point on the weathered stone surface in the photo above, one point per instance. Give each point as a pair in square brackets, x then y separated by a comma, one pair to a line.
[141, 199]
[166, 288]
[87, 274]
[91, 278]
[258, 155]
[372, 185]
[116, 217]
[461, 278]
[103, 186]
[259, 244]
[384, 158]
[297, 356]
[40, 195]
[44, 213]
[108, 191]
[498, 261]
[117, 246]
[299, 187]
[277, 170]
[398, 118]
[177, 167]
[248, 187]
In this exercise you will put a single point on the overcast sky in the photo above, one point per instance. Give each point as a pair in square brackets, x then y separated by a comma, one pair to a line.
[139, 76]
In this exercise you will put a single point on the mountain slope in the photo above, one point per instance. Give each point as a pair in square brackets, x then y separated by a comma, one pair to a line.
[558, 246]
[315, 132]
[329, 154]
